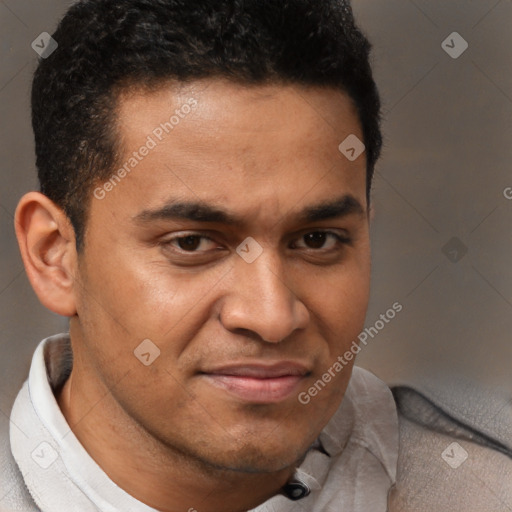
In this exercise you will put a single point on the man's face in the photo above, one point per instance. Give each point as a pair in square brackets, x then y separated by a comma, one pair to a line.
[239, 340]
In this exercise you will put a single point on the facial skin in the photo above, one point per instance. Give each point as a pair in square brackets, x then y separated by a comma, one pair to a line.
[181, 433]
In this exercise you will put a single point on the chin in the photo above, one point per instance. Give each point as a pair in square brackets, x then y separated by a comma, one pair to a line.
[260, 457]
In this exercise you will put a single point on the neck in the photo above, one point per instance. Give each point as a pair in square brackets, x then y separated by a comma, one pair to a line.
[149, 470]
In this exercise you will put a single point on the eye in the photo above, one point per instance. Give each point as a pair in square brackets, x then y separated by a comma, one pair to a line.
[317, 240]
[190, 243]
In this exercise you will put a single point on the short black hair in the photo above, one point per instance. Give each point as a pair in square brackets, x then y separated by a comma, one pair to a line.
[107, 45]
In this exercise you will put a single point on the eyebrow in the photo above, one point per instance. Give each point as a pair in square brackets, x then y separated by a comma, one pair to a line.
[199, 211]
[340, 207]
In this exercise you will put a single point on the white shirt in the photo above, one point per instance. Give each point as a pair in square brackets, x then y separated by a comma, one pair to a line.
[354, 475]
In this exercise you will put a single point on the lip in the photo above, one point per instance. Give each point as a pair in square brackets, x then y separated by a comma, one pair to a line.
[259, 383]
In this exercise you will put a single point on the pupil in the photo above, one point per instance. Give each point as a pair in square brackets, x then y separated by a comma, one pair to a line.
[317, 239]
[187, 242]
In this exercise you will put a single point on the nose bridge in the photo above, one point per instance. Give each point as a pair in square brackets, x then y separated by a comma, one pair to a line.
[266, 282]
[261, 300]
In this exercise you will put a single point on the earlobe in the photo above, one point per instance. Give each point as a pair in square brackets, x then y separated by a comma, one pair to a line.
[47, 244]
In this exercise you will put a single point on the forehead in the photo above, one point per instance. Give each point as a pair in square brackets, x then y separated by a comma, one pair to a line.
[227, 106]
[221, 142]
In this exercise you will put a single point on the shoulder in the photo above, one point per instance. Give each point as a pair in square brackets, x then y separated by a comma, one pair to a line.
[444, 464]
[14, 495]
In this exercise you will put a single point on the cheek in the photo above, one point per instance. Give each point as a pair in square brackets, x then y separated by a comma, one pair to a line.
[130, 298]
[341, 303]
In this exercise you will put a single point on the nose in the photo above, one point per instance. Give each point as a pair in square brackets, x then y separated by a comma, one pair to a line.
[261, 301]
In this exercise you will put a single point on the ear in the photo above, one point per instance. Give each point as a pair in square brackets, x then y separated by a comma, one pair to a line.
[47, 244]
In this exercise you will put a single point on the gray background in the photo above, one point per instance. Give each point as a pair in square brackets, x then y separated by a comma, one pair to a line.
[445, 166]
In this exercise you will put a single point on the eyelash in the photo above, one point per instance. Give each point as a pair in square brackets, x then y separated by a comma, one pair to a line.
[343, 240]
